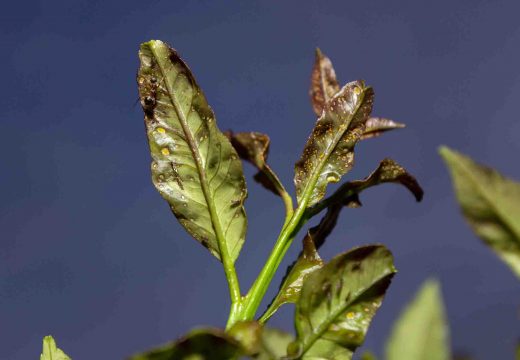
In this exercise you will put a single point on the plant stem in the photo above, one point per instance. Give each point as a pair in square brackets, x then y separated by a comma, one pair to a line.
[256, 293]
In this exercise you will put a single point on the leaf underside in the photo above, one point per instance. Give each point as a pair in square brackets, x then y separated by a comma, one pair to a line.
[329, 152]
[194, 167]
[490, 203]
[338, 301]
[421, 332]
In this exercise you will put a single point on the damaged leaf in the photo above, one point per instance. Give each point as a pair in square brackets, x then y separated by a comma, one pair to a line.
[254, 148]
[338, 302]
[329, 152]
[491, 204]
[194, 166]
[199, 344]
[324, 86]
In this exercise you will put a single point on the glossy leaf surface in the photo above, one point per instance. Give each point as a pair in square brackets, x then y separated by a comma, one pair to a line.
[194, 166]
[50, 351]
[338, 301]
[329, 152]
[254, 148]
[421, 332]
[491, 204]
[274, 344]
[199, 344]
[289, 291]
[324, 86]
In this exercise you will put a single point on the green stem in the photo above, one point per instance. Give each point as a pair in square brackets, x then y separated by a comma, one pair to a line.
[256, 293]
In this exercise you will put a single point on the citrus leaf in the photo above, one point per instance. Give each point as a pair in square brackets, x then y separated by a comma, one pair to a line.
[491, 204]
[50, 350]
[421, 332]
[199, 344]
[338, 301]
[368, 355]
[329, 152]
[308, 261]
[274, 344]
[376, 126]
[324, 84]
[194, 166]
[254, 148]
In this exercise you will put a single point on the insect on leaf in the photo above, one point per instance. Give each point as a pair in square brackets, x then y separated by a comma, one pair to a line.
[491, 204]
[194, 166]
[50, 350]
[199, 344]
[421, 332]
[338, 302]
[254, 148]
[329, 152]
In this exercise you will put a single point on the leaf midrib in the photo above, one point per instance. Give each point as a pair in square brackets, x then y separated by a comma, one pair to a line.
[221, 241]
[330, 148]
[335, 314]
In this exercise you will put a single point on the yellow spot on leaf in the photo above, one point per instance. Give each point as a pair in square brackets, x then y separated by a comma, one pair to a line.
[165, 151]
[357, 90]
[161, 130]
[350, 315]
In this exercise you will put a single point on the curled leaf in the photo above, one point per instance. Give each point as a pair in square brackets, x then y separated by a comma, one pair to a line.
[491, 204]
[329, 152]
[338, 301]
[421, 332]
[194, 166]
[376, 126]
[199, 344]
[254, 148]
[50, 351]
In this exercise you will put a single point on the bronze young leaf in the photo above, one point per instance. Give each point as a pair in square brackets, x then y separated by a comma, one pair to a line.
[194, 166]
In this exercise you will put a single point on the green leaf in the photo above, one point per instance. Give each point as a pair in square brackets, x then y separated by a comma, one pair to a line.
[194, 166]
[421, 332]
[308, 261]
[274, 344]
[329, 152]
[51, 351]
[197, 345]
[491, 204]
[338, 301]
[254, 148]
[518, 352]
[324, 86]
[376, 126]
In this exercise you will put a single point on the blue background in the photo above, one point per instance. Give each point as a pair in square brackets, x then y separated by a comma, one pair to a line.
[90, 253]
